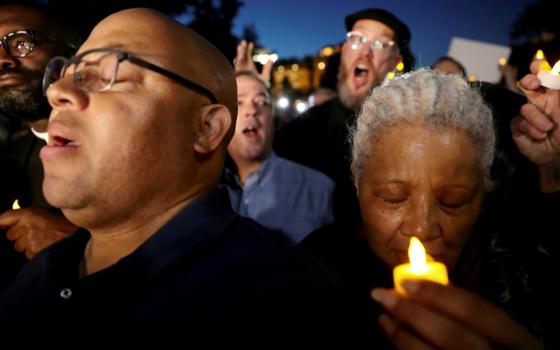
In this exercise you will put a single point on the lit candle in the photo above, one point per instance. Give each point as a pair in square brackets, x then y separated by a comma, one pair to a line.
[419, 267]
[16, 205]
[502, 61]
[539, 55]
[550, 78]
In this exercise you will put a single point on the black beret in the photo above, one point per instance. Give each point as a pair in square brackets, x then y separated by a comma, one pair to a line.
[401, 30]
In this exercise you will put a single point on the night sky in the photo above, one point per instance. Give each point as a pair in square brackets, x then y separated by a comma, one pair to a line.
[295, 28]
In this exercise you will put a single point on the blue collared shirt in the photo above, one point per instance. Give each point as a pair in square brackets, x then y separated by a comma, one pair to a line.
[285, 196]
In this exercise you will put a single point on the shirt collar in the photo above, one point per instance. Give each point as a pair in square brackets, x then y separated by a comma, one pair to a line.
[198, 222]
[265, 168]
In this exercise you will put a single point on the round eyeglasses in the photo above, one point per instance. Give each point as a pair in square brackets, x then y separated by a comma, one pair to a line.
[357, 40]
[19, 43]
[96, 71]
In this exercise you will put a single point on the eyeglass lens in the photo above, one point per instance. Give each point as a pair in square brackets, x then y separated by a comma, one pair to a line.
[93, 72]
[19, 44]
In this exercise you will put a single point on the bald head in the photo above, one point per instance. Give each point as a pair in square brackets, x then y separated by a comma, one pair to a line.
[175, 47]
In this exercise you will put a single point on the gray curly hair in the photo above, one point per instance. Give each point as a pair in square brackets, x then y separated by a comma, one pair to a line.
[424, 97]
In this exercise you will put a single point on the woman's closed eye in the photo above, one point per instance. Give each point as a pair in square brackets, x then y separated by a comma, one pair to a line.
[454, 200]
[391, 198]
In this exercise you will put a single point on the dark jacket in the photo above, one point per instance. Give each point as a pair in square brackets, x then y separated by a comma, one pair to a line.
[319, 139]
[207, 277]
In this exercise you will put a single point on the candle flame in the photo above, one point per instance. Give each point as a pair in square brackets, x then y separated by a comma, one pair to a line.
[16, 205]
[556, 69]
[545, 66]
[400, 66]
[539, 55]
[502, 61]
[417, 256]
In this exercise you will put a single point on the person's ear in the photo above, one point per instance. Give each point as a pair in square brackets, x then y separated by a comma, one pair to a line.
[397, 59]
[215, 122]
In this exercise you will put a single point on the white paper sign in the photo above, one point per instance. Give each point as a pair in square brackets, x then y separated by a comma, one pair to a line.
[479, 58]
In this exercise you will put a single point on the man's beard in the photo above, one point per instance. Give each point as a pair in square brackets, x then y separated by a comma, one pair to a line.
[348, 99]
[27, 103]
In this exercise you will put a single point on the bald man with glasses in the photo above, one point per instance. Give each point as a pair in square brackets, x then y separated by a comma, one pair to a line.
[141, 120]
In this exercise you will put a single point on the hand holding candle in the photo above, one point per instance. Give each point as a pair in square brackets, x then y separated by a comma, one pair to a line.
[419, 267]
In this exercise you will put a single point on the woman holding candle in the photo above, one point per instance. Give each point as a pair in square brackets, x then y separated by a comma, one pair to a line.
[423, 148]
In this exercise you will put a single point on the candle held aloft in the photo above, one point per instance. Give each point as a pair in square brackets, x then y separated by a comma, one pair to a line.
[16, 205]
[419, 267]
[550, 78]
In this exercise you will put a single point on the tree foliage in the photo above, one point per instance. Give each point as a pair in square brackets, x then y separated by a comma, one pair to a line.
[537, 20]
[212, 21]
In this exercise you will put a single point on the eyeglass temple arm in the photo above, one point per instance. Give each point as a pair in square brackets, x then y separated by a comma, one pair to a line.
[174, 76]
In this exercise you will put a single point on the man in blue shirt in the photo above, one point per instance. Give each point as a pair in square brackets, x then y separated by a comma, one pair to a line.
[275, 192]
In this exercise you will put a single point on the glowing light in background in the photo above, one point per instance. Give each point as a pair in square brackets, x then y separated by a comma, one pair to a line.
[283, 102]
[301, 106]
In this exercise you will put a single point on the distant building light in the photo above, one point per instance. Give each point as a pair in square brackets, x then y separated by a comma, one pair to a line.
[311, 100]
[283, 102]
[327, 51]
[281, 69]
[321, 65]
[400, 66]
[295, 66]
[301, 106]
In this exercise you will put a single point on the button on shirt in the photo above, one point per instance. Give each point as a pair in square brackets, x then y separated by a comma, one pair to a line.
[285, 196]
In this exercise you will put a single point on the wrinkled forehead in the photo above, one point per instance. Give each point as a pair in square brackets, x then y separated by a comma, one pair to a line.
[374, 28]
[247, 85]
[14, 18]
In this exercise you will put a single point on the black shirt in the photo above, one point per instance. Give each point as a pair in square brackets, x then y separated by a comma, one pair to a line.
[320, 140]
[208, 276]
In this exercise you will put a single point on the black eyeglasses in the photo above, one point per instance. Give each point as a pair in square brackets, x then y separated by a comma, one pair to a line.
[96, 71]
[21, 43]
